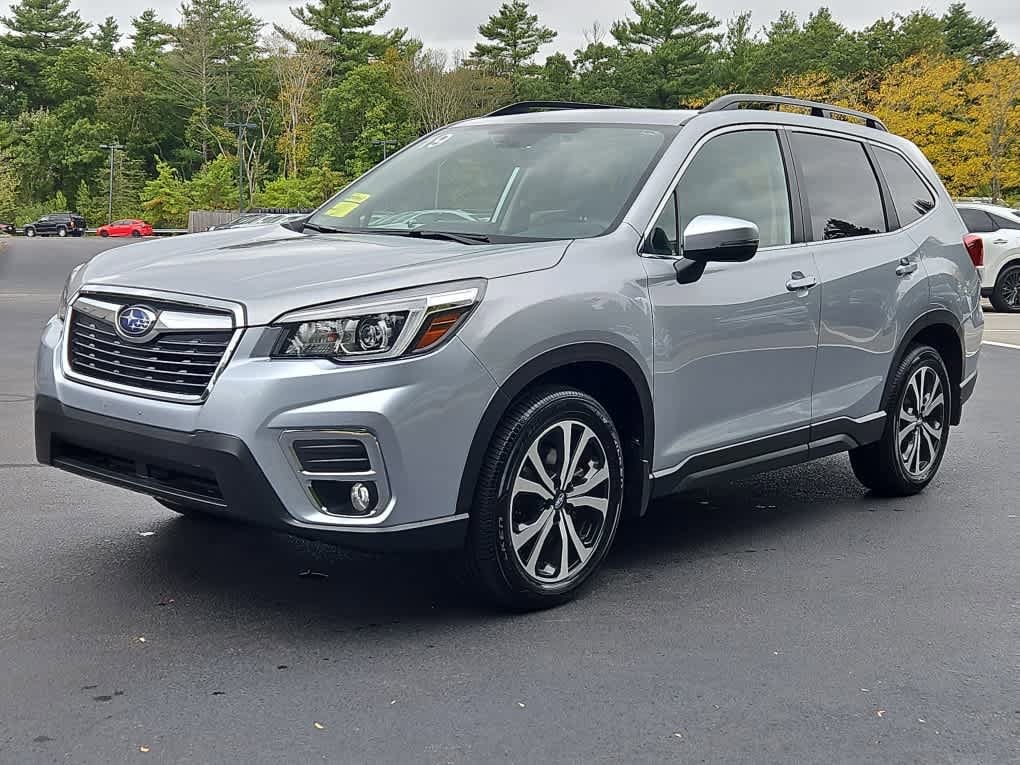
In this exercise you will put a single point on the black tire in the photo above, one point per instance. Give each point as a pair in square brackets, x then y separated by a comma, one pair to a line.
[494, 563]
[61, 232]
[1005, 295]
[29, 231]
[104, 234]
[883, 466]
[136, 233]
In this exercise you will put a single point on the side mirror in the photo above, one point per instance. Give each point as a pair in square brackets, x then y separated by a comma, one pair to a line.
[720, 239]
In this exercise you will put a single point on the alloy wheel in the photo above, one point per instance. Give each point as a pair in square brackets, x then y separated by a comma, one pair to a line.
[921, 424]
[559, 501]
[1011, 288]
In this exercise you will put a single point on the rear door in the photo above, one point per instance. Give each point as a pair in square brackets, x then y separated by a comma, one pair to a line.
[873, 282]
[734, 351]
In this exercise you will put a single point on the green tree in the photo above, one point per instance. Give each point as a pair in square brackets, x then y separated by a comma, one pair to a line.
[106, 36]
[514, 36]
[679, 41]
[150, 38]
[971, 37]
[166, 199]
[347, 27]
[9, 186]
[38, 30]
[309, 190]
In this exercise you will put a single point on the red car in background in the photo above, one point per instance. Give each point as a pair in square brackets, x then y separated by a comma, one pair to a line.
[125, 228]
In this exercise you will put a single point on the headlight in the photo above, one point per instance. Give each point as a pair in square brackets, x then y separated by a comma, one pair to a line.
[65, 294]
[372, 331]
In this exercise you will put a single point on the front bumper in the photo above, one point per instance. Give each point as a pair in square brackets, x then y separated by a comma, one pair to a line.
[229, 454]
[214, 471]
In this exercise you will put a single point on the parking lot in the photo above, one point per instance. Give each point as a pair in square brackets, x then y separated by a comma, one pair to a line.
[789, 617]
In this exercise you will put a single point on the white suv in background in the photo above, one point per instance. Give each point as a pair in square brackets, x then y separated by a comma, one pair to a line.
[999, 229]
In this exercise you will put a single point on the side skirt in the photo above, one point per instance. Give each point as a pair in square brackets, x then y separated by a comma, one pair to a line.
[793, 447]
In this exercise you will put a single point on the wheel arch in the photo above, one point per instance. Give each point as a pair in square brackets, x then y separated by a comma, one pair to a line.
[941, 329]
[605, 372]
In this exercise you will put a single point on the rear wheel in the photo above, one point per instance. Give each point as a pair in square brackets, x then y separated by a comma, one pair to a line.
[1005, 296]
[548, 500]
[136, 233]
[29, 231]
[907, 457]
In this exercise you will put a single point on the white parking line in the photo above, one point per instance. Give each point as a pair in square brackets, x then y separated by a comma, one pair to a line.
[1001, 345]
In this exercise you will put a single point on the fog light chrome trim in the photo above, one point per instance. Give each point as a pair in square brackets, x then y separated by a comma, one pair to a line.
[376, 474]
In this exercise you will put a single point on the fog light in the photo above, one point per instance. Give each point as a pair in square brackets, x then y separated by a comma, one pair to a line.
[361, 498]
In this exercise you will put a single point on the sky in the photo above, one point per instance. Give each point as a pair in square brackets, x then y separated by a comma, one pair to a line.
[453, 24]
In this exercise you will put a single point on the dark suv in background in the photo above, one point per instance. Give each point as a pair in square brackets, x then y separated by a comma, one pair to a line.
[57, 224]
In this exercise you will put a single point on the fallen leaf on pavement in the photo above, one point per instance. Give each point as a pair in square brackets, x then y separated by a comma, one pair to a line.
[880, 712]
[143, 749]
[146, 533]
[319, 726]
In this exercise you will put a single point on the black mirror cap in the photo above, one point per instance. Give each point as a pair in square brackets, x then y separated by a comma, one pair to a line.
[729, 252]
[296, 225]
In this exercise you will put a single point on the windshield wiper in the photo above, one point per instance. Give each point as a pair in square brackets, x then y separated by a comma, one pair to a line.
[463, 238]
[328, 229]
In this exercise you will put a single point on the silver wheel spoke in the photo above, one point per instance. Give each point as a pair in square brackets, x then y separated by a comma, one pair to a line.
[536, 551]
[596, 503]
[586, 436]
[931, 430]
[904, 432]
[582, 551]
[536, 463]
[931, 446]
[917, 451]
[600, 475]
[564, 549]
[930, 407]
[525, 535]
[524, 486]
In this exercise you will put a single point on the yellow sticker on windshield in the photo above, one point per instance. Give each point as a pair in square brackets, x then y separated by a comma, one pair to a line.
[346, 206]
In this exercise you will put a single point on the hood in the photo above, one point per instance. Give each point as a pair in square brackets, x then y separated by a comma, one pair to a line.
[271, 270]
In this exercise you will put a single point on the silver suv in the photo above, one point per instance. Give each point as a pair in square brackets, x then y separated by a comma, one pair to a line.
[522, 328]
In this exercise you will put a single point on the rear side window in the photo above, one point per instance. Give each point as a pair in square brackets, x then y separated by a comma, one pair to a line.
[911, 196]
[840, 187]
[1004, 223]
[977, 221]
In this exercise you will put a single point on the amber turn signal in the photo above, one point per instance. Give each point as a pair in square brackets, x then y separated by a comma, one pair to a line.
[437, 326]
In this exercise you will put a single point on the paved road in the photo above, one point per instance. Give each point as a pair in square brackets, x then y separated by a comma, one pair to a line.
[786, 618]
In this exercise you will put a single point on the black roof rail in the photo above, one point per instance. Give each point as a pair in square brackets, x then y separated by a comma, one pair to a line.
[817, 109]
[523, 107]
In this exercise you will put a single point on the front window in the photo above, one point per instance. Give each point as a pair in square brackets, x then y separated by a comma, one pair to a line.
[503, 183]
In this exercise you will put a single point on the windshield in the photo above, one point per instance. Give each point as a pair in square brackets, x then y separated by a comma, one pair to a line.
[504, 182]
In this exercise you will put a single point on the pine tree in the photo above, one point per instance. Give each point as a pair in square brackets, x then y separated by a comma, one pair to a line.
[38, 30]
[150, 37]
[515, 36]
[971, 37]
[679, 39]
[106, 36]
[347, 27]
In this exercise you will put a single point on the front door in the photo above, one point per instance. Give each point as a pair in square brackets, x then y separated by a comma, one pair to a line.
[734, 353]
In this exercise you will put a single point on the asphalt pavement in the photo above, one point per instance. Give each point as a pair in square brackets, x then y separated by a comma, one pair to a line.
[785, 618]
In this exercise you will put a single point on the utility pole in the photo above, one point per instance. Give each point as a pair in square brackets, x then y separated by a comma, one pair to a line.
[240, 127]
[385, 145]
[113, 147]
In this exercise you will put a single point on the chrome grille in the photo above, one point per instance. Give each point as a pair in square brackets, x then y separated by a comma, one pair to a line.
[178, 364]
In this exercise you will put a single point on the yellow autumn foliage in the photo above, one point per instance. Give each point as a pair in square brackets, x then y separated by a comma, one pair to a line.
[964, 117]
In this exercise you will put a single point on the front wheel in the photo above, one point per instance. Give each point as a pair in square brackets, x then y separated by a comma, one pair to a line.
[1005, 296]
[104, 234]
[548, 500]
[918, 409]
[61, 232]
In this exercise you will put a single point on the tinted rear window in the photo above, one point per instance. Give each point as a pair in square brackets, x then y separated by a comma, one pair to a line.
[840, 186]
[977, 221]
[911, 196]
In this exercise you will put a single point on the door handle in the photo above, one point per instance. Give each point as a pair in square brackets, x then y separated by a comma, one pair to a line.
[800, 282]
[906, 267]
[1000, 241]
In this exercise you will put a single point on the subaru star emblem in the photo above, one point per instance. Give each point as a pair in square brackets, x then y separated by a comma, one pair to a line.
[135, 321]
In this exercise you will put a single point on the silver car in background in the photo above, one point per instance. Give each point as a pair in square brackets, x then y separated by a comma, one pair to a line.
[520, 329]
